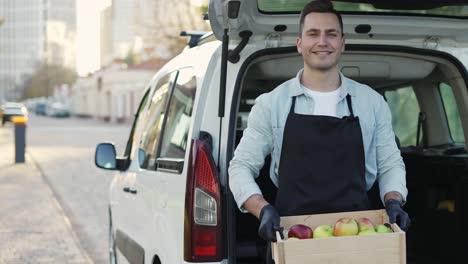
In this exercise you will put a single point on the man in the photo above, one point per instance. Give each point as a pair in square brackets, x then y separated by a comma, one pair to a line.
[330, 137]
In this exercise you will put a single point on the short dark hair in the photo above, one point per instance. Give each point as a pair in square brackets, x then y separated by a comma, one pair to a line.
[319, 6]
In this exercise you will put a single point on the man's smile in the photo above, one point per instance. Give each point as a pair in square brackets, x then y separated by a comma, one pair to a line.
[322, 52]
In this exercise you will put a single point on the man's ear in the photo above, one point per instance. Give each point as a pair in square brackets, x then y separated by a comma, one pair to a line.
[298, 44]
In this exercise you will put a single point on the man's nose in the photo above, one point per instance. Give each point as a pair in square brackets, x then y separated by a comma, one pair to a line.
[322, 40]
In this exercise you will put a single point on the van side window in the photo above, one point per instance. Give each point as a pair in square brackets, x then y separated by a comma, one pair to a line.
[451, 111]
[153, 122]
[174, 141]
[405, 111]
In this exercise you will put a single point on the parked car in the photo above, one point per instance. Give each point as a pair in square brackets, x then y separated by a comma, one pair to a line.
[169, 200]
[57, 109]
[40, 108]
[10, 109]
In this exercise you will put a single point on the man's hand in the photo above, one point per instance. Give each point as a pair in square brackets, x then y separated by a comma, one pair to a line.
[396, 214]
[269, 223]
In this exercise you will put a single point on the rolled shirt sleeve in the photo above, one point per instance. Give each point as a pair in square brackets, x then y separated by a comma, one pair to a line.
[249, 156]
[391, 172]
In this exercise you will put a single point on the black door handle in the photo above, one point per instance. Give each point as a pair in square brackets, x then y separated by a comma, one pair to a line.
[127, 189]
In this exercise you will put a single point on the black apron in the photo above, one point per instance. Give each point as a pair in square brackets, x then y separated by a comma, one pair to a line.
[322, 165]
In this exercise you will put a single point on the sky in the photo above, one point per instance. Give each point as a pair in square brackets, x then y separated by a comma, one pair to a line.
[87, 39]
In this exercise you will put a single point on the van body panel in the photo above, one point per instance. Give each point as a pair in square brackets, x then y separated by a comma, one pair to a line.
[388, 28]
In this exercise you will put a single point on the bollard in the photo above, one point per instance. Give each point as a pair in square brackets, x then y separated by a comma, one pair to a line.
[20, 138]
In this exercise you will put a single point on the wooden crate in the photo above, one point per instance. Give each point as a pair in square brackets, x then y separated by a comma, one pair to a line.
[382, 248]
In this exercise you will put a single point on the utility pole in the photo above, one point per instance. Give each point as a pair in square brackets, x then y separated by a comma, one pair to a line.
[2, 89]
[46, 43]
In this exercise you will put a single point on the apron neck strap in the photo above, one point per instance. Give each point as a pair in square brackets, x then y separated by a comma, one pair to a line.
[293, 104]
[350, 106]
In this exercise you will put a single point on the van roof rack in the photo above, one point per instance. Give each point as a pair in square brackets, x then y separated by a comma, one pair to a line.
[195, 36]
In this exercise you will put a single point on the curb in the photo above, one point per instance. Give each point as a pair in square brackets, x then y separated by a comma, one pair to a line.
[58, 204]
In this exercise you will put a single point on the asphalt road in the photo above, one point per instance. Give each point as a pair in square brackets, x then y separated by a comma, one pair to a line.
[64, 151]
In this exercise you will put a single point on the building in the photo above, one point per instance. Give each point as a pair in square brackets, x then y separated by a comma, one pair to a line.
[118, 38]
[64, 11]
[60, 45]
[158, 24]
[34, 32]
[148, 29]
[22, 38]
[106, 37]
[113, 93]
[123, 28]
[61, 33]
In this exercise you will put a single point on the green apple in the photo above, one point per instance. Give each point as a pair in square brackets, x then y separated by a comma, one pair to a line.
[323, 231]
[380, 228]
[365, 223]
[346, 227]
[367, 232]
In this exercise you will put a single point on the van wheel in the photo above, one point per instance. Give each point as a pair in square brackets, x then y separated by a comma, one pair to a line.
[112, 245]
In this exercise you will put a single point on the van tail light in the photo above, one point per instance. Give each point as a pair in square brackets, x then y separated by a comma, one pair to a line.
[202, 224]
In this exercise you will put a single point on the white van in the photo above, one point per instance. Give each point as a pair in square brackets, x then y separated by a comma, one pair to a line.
[170, 201]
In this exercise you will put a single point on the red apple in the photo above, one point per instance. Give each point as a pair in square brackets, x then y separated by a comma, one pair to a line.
[365, 223]
[300, 231]
[346, 227]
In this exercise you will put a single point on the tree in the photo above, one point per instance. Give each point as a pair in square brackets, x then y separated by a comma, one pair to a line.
[47, 77]
[160, 23]
[131, 58]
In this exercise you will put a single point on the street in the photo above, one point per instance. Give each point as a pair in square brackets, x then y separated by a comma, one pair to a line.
[63, 149]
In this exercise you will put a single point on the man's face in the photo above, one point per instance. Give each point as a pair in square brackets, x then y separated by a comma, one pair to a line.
[321, 42]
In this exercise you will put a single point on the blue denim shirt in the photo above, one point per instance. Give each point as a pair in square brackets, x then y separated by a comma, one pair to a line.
[264, 135]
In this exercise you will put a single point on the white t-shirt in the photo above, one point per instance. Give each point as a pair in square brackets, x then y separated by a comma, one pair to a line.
[324, 102]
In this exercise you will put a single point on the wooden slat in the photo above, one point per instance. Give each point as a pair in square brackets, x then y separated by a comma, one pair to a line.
[379, 256]
[277, 249]
[351, 243]
[402, 247]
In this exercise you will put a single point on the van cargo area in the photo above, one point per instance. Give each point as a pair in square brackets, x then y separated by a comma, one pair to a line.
[413, 83]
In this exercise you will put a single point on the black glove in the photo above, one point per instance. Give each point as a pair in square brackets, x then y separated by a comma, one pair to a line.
[396, 214]
[269, 223]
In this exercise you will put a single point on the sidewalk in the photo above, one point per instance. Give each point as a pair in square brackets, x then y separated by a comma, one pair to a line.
[33, 227]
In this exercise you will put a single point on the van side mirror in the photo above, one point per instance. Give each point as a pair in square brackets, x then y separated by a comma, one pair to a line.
[105, 156]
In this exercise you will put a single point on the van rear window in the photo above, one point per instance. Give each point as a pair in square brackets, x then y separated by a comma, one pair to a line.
[451, 111]
[395, 7]
[405, 110]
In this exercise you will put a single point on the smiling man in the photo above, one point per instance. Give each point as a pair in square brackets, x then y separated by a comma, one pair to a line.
[331, 138]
